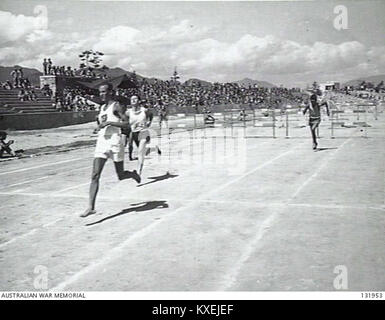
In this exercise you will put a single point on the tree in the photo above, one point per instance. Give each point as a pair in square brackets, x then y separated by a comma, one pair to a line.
[91, 60]
[369, 85]
[175, 77]
[379, 86]
[362, 85]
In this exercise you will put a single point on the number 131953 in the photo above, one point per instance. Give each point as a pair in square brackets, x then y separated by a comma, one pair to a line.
[372, 295]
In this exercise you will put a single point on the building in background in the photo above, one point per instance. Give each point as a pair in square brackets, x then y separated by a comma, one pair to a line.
[329, 86]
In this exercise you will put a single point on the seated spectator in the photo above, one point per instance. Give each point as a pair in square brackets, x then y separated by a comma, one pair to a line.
[21, 95]
[59, 105]
[32, 95]
[8, 85]
[5, 146]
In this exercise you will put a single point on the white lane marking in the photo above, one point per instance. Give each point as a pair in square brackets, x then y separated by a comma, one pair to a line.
[42, 166]
[44, 177]
[323, 165]
[31, 232]
[9, 205]
[18, 237]
[116, 252]
[246, 202]
[59, 195]
[337, 206]
[49, 164]
[231, 276]
[52, 223]
[70, 188]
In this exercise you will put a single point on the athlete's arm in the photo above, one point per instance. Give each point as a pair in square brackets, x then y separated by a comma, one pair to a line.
[149, 117]
[327, 107]
[118, 111]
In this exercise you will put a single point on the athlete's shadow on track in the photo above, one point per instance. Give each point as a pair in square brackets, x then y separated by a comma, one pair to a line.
[324, 149]
[139, 207]
[159, 178]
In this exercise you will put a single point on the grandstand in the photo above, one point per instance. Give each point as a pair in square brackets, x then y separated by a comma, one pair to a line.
[11, 104]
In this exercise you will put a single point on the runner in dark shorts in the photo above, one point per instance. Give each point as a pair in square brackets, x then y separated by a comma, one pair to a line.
[315, 115]
[162, 113]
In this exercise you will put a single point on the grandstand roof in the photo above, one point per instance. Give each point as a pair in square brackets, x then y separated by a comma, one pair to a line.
[123, 82]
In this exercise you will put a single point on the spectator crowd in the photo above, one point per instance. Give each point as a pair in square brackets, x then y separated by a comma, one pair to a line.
[18, 81]
[168, 93]
[50, 69]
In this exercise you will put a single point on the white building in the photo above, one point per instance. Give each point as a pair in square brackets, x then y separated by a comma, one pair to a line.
[329, 86]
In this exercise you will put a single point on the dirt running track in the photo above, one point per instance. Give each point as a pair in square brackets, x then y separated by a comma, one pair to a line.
[275, 216]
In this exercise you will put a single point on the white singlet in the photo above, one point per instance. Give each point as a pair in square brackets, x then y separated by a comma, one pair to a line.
[109, 143]
[138, 119]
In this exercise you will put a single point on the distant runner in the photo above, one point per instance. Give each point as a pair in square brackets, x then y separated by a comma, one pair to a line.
[315, 115]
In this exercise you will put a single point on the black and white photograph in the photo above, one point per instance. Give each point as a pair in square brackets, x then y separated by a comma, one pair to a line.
[192, 149]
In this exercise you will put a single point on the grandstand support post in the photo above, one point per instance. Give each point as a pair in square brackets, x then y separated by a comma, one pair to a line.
[287, 124]
[375, 112]
[332, 124]
[195, 121]
[204, 128]
[365, 123]
[231, 123]
[273, 122]
[169, 145]
[244, 125]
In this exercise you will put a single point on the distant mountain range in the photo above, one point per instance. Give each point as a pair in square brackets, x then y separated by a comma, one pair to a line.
[195, 81]
[116, 72]
[250, 82]
[373, 79]
[30, 73]
[34, 74]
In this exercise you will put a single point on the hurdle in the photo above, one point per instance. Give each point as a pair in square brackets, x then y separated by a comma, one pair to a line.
[336, 121]
[362, 123]
[264, 124]
[288, 111]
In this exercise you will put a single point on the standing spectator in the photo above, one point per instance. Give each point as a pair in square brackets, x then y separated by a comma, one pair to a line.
[21, 74]
[15, 76]
[49, 66]
[45, 66]
[21, 95]
[8, 85]
[59, 105]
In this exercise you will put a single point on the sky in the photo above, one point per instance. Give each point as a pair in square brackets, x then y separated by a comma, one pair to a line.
[292, 43]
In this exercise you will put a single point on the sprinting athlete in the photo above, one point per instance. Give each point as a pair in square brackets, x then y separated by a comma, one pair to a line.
[128, 141]
[314, 115]
[162, 113]
[140, 120]
[109, 144]
[208, 118]
[242, 115]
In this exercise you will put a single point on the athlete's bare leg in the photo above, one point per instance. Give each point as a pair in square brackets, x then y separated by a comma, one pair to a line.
[130, 149]
[122, 175]
[313, 129]
[97, 169]
[142, 149]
